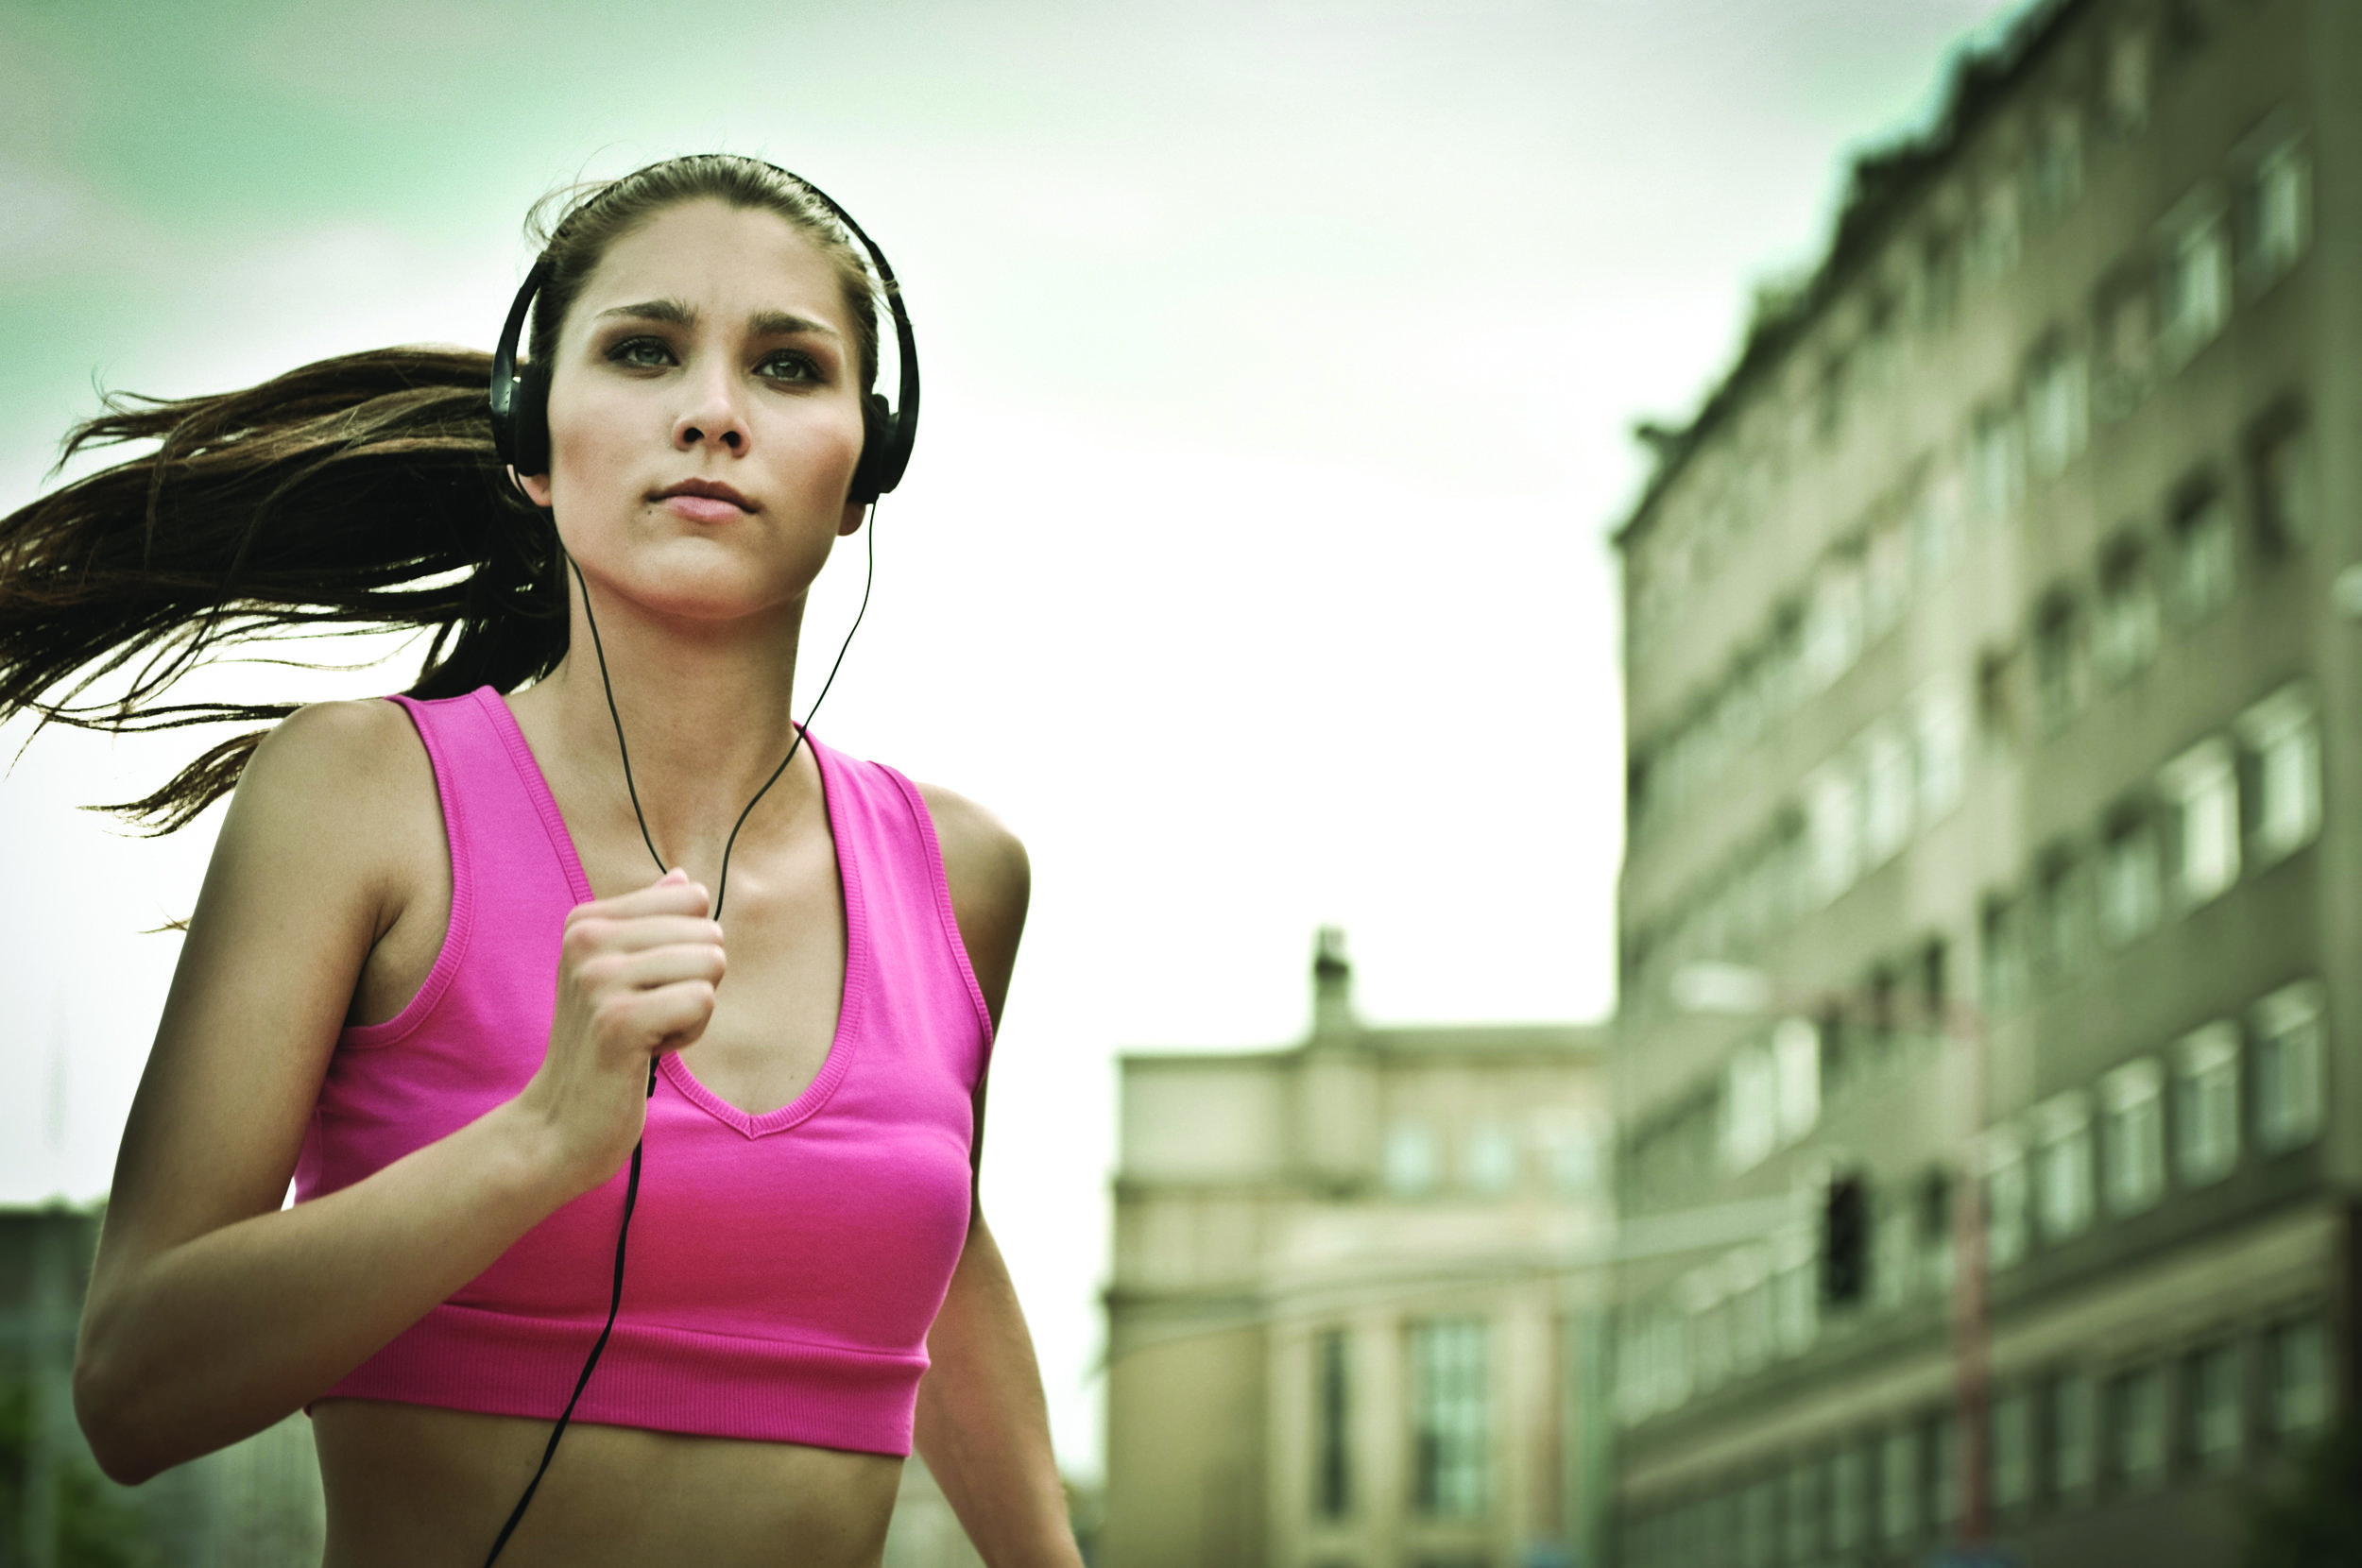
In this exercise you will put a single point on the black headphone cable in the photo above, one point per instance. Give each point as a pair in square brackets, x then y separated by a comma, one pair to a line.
[721, 890]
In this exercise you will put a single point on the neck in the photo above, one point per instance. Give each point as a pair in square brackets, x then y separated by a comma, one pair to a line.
[705, 712]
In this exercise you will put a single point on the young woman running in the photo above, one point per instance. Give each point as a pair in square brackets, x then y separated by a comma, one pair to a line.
[532, 957]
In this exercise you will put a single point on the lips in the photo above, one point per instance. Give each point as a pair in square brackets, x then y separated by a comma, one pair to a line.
[704, 500]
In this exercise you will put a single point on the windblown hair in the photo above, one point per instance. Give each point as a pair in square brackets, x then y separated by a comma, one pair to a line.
[357, 494]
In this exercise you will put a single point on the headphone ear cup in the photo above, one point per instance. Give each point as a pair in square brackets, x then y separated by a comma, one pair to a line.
[876, 441]
[529, 423]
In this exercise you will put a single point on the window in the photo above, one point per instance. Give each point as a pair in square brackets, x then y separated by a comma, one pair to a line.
[2299, 1397]
[2217, 1430]
[1333, 1478]
[2135, 1144]
[2125, 638]
[2006, 1192]
[2062, 914]
[2126, 313]
[2073, 1450]
[2200, 791]
[1571, 1151]
[1492, 1158]
[1996, 695]
[2283, 744]
[2194, 284]
[2130, 880]
[2204, 560]
[1885, 775]
[1900, 1488]
[2275, 215]
[1939, 741]
[1410, 1161]
[1833, 829]
[1749, 1108]
[1940, 277]
[2290, 1047]
[1759, 1508]
[1894, 1267]
[1849, 1499]
[1996, 462]
[1935, 960]
[1935, 524]
[1833, 623]
[2057, 407]
[1943, 1464]
[2136, 1413]
[2206, 1104]
[1802, 1513]
[1995, 242]
[1936, 1232]
[2004, 955]
[1795, 1076]
[1887, 582]
[2282, 463]
[1829, 398]
[2055, 172]
[1451, 1418]
[2124, 83]
[2061, 670]
[2012, 1451]
[2063, 1167]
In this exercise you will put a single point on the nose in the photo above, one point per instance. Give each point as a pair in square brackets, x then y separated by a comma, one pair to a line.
[712, 418]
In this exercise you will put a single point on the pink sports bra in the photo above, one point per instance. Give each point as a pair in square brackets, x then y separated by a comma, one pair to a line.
[784, 1268]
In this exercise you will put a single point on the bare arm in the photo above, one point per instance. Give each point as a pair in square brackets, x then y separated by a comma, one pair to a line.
[983, 1426]
[213, 1313]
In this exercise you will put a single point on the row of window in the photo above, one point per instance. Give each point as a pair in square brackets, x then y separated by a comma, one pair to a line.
[2183, 1119]
[2151, 314]
[2059, 1440]
[2179, 1120]
[2230, 804]
[1451, 1419]
[2107, 637]
[1861, 589]
[1899, 778]
[1496, 1157]
[1905, 772]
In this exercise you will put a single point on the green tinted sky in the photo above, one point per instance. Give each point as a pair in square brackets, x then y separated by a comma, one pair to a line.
[1280, 356]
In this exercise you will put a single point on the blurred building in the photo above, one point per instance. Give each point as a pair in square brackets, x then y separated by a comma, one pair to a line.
[1344, 1330]
[1992, 682]
[255, 1504]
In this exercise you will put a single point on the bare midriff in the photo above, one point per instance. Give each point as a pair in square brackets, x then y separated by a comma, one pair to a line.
[411, 1485]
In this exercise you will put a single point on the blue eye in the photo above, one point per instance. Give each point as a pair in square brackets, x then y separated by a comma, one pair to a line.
[641, 352]
[789, 364]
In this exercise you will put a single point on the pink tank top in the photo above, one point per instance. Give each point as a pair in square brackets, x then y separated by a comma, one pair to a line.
[784, 1268]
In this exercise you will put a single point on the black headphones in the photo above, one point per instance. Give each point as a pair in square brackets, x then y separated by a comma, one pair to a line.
[521, 397]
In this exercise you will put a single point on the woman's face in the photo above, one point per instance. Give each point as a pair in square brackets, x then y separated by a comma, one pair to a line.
[705, 414]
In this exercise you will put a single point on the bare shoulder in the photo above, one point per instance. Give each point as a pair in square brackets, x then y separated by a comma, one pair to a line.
[343, 742]
[346, 787]
[991, 883]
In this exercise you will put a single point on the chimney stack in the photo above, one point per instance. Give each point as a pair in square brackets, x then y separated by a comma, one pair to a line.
[1332, 986]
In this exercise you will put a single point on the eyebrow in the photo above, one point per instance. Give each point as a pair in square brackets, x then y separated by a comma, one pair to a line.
[676, 313]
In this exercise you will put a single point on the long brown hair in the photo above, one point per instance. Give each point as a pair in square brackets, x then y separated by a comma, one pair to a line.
[355, 494]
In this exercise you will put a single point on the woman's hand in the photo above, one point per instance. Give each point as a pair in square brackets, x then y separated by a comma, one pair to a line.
[636, 977]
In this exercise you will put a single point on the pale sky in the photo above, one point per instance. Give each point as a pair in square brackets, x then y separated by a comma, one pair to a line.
[1280, 359]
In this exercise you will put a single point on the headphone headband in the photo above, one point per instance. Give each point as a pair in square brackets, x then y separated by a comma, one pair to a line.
[518, 395]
